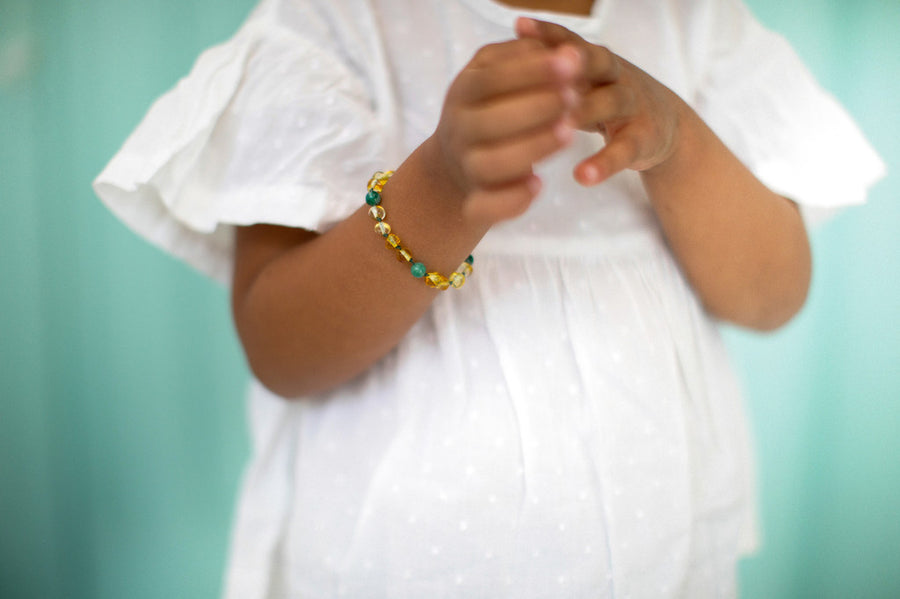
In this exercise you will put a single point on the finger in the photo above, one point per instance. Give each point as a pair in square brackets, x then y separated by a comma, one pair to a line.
[549, 33]
[601, 65]
[603, 104]
[487, 166]
[502, 203]
[515, 115]
[619, 154]
[534, 68]
[505, 50]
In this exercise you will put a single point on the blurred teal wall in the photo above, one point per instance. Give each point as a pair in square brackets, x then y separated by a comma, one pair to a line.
[121, 382]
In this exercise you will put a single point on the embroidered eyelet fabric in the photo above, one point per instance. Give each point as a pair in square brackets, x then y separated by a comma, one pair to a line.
[566, 424]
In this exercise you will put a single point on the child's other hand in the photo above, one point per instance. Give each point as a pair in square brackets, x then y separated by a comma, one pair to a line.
[509, 108]
[637, 115]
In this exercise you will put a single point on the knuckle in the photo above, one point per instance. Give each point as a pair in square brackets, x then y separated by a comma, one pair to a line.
[606, 62]
[486, 55]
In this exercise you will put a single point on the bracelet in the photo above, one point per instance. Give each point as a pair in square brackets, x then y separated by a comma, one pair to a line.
[376, 210]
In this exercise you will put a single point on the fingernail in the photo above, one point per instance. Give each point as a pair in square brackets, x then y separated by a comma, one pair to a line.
[590, 174]
[525, 24]
[534, 184]
[563, 131]
[563, 67]
[572, 55]
[566, 64]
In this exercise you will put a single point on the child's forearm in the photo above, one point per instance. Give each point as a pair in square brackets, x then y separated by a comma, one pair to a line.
[313, 311]
[743, 248]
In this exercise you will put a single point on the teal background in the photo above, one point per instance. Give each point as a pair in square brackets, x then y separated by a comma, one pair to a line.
[121, 412]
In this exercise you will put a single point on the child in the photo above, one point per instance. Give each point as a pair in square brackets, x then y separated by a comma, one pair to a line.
[565, 423]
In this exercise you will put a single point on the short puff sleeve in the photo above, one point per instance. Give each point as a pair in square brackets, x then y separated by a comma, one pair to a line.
[269, 127]
[758, 96]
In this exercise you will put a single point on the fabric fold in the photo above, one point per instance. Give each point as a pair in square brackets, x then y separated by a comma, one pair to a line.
[763, 102]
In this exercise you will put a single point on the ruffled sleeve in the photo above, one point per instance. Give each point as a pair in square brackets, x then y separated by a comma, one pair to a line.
[269, 127]
[762, 101]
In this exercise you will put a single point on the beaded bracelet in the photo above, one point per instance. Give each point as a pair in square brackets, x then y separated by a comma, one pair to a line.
[392, 241]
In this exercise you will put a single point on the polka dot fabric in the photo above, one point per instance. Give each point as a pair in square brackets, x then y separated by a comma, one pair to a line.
[566, 425]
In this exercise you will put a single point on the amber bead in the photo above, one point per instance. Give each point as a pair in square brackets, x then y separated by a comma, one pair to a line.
[436, 280]
[382, 228]
[392, 241]
[457, 280]
[465, 269]
[403, 255]
[378, 177]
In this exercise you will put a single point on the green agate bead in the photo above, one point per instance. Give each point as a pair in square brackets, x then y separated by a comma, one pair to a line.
[373, 198]
[418, 270]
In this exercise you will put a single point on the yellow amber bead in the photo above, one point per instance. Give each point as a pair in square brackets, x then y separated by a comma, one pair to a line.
[378, 176]
[403, 255]
[378, 180]
[377, 212]
[392, 241]
[382, 228]
[436, 280]
[465, 269]
[457, 280]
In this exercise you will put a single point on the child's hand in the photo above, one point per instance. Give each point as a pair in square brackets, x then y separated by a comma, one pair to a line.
[510, 107]
[636, 114]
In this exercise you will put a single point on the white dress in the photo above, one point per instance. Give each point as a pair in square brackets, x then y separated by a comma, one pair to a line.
[565, 425]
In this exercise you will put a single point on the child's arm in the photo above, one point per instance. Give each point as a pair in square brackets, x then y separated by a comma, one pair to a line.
[743, 248]
[312, 311]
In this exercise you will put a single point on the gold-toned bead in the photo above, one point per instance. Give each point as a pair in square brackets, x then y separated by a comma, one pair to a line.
[457, 280]
[382, 228]
[378, 180]
[377, 212]
[378, 176]
[436, 280]
[403, 255]
[392, 241]
[465, 269]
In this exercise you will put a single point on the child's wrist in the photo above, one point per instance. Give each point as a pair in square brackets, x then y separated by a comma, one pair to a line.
[427, 206]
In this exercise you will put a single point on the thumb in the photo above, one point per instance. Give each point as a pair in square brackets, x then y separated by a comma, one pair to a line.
[549, 33]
